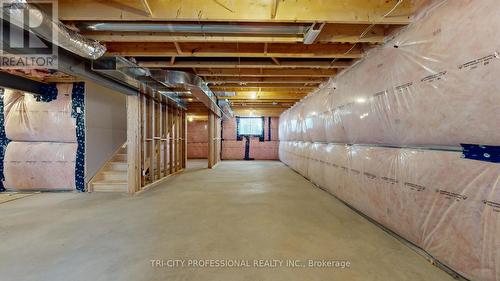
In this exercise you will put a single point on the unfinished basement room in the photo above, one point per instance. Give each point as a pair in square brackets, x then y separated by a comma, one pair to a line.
[250, 140]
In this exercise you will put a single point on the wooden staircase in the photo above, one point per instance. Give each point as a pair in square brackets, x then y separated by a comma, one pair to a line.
[113, 175]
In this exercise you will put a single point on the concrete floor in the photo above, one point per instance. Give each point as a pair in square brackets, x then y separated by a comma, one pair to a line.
[240, 210]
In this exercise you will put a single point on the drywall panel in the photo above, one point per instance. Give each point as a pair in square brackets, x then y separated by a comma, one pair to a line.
[106, 124]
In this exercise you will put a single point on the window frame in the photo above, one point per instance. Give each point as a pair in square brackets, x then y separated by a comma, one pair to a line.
[240, 136]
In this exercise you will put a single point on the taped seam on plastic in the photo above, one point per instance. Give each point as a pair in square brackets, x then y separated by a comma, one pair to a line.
[435, 148]
[479, 152]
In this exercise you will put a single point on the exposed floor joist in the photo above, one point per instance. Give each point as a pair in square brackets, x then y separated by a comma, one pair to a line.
[152, 49]
[255, 48]
[355, 11]
[267, 72]
[257, 80]
[245, 64]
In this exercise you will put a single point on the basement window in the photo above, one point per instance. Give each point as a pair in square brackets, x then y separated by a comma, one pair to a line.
[250, 126]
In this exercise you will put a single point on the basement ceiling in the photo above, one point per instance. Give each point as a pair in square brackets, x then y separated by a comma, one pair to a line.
[263, 55]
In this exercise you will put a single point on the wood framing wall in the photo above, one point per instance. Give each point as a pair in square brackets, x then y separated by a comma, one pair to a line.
[156, 140]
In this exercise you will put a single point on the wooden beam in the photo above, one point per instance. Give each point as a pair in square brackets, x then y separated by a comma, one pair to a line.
[184, 137]
[178, 48]
[246, 64]
[147, 9]
[274, 8]
[253, 80]
[268, 72]
[270, 91]
[273, 112]
[264, 85]
[211, 137]
[353, 11]
[269, 96]
[278, 50]
[351, 33]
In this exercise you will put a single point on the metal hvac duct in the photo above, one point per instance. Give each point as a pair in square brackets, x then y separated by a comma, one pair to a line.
[175, 85]
[184, 81]
[126, 72]
[50, 29]
[193, 28]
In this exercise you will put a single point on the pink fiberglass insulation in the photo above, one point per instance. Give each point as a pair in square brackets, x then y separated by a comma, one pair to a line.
[267, 150]
[197, 139]
[40, 166]
[233, 150]
[197, 131]
[197, 150]
[447, 205]
[29, 120]
[229, 129]
[435, 83]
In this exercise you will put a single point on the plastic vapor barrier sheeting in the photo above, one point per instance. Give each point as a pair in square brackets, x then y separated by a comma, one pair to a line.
[40, 166]
[43, 147]
[433, 86]
[29, 119]
[438, 87]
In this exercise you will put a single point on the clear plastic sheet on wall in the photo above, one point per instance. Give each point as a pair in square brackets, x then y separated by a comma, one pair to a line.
[436, 83]
[40, 166]
[30, 120]
[447, 205]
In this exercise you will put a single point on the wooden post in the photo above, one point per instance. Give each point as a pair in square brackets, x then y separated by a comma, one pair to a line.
[158, 141]
[134, 143]
[184, 143]
[177, 139]
[164, 137]
[211, 147]
[171, 140]
[152, 139]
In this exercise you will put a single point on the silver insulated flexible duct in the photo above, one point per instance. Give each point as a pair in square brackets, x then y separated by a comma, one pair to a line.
[50, 29]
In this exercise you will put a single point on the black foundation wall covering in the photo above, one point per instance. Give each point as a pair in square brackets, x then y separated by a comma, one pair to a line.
[78, 112]
[3, 140]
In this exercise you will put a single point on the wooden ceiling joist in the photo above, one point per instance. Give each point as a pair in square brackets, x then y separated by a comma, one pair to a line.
[331, 33]
[154, 49]
[246, 64]
[251, 89]
[269, 80]
[267, 85]
[249, 72]
[357, 11]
